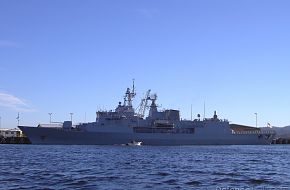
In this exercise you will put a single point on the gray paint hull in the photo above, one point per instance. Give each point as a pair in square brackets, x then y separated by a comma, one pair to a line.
[43, 135]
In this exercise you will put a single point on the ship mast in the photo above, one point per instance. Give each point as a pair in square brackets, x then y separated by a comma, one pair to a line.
[129, 95]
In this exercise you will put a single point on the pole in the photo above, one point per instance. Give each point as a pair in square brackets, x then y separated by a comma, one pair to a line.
[191, 112]
[18, 118]
[49, 117]
[71, 115]
[204, 110]
[256, 119]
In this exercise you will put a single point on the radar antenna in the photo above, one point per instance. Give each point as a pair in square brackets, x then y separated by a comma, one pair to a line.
[129, 95]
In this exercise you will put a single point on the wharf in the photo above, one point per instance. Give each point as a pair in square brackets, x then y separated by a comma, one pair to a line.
[281, 141]
[14, 140]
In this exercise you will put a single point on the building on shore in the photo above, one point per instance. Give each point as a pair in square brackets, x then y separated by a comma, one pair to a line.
[5, 133]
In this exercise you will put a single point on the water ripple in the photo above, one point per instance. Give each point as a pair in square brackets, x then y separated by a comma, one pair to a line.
[115, 167]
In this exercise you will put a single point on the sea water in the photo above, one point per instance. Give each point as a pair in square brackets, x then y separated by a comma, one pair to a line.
[145, 167]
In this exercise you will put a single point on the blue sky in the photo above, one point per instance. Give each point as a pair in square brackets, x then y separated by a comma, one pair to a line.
[80, 56]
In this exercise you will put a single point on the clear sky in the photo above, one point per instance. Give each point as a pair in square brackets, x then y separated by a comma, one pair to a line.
[80, 56]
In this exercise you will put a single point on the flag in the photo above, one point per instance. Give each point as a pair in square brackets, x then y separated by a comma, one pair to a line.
[17, 116]
[269, 125]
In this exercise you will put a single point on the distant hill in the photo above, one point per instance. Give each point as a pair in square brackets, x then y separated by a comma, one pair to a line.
[281, 132]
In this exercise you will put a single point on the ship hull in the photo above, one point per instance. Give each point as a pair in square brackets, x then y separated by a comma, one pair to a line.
[43, 135]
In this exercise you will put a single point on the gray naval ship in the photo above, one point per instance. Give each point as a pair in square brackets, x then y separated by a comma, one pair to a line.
[164, 128]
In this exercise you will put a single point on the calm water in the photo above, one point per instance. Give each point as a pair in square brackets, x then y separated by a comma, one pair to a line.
[121, 167]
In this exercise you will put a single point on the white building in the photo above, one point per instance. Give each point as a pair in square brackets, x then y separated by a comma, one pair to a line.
[10, 133]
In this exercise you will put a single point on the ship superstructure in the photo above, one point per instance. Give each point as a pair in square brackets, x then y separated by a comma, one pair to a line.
[124, 125]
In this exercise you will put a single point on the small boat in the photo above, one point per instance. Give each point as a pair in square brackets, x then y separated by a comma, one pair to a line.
[134, 143]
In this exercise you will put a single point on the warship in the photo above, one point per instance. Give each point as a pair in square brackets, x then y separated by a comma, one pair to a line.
[161, 128]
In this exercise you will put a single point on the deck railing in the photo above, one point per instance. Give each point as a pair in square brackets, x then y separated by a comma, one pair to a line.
[253, 132]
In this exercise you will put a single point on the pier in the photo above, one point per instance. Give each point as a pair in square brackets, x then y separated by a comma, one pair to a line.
[14, 140]
[281, 141]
